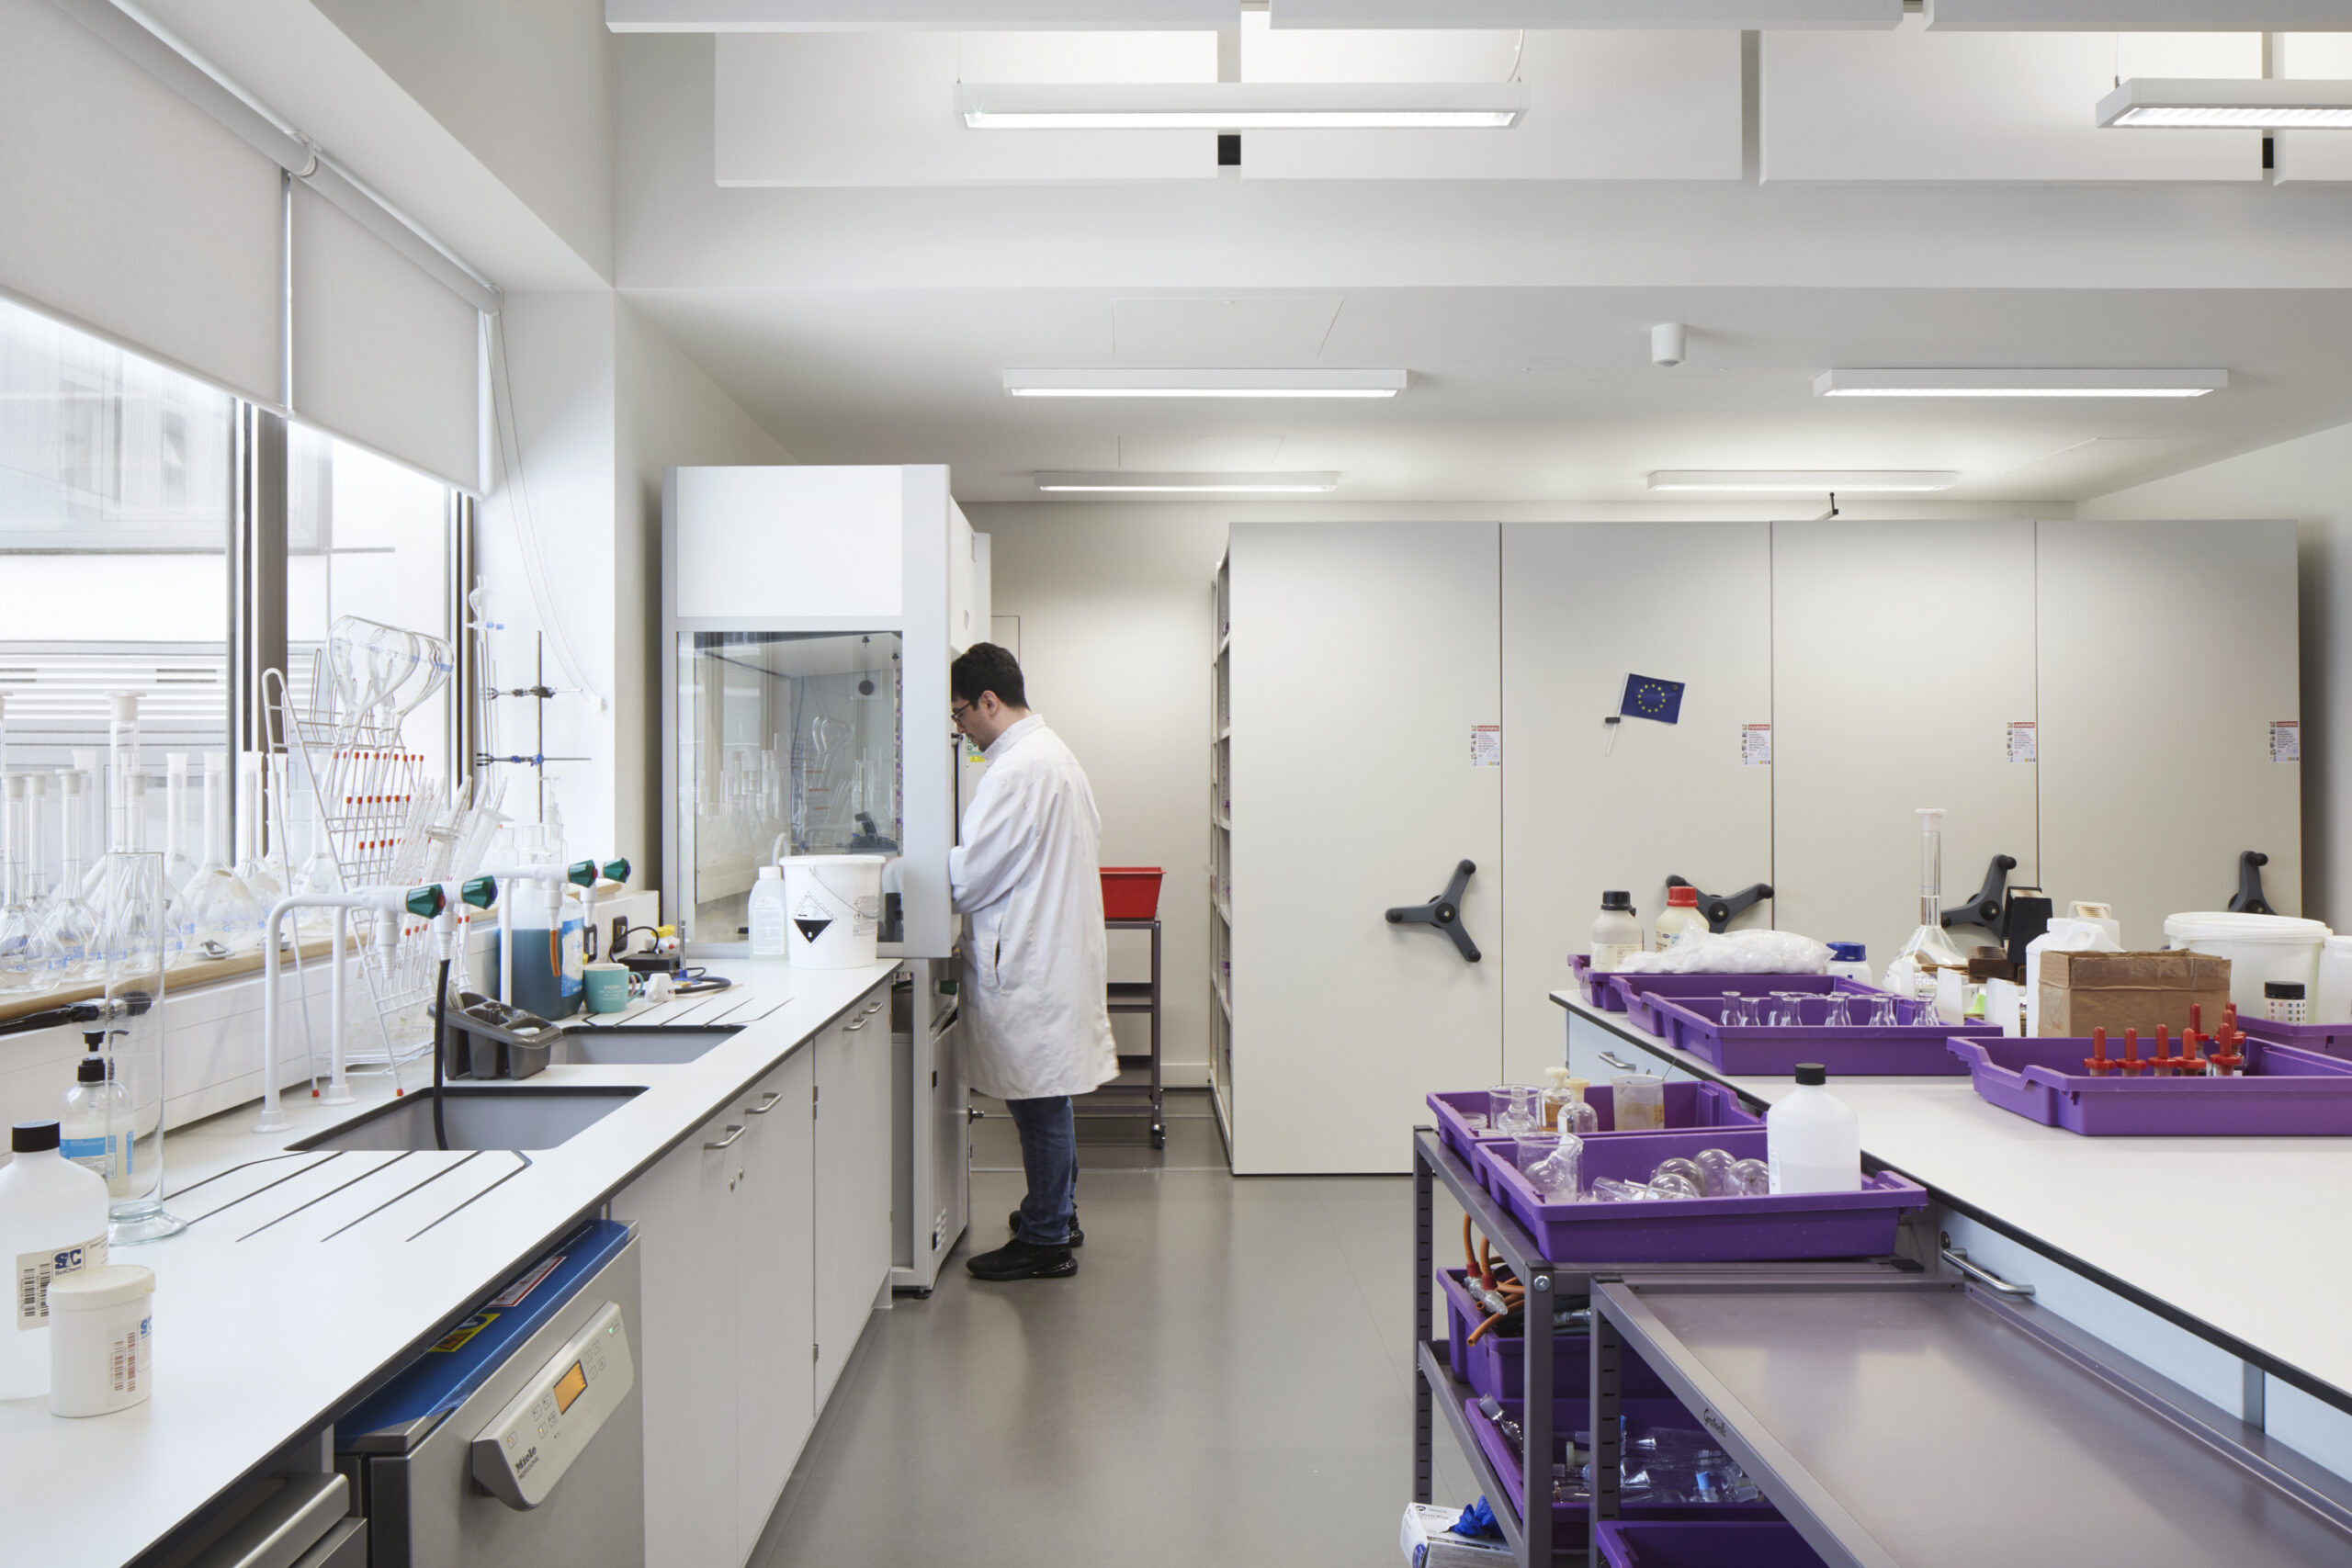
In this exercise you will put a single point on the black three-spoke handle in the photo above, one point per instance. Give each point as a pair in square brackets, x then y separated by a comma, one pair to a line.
[1444, 912]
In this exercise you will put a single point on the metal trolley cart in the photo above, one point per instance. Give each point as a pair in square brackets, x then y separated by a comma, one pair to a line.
[1137, 996]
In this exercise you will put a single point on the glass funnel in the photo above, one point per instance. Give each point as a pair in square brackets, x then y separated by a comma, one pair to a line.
[220, 908]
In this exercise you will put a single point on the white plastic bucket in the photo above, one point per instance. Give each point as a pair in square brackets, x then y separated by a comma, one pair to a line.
[2261, 948]
[2332, 1003]
[832, 910]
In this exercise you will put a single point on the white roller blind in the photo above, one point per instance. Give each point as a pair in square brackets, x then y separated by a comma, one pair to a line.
[125, 206]
[383, 353]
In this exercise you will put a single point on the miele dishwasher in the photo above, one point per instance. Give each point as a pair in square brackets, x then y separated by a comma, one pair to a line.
[517, 1441]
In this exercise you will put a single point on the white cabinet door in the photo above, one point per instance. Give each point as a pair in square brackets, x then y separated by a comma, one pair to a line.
[1589, 805]
[2168, 653]
[1901, 654]
[852, 1182]
[1364, 656]
[773, 1206]
[684, 1218]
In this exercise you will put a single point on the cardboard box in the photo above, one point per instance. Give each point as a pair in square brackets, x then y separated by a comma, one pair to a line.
[2116, 991]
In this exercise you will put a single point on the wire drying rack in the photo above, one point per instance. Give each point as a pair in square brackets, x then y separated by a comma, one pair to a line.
[376, 820]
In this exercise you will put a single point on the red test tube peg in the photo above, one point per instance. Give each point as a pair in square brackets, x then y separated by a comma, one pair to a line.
[2096, 1062]
[2132, 1061]
[2192, 1062]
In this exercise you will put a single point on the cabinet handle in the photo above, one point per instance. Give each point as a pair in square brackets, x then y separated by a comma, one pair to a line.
[734, 1131]
[764, 1107]
[854, 1028]
[1619, 1063]
[873, 1006]
[1958, 1258]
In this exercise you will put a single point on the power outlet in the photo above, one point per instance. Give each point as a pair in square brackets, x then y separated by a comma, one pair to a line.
[620, 944]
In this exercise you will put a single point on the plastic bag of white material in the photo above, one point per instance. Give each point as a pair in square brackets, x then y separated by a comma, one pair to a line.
[2064, 935]
[1733, 952]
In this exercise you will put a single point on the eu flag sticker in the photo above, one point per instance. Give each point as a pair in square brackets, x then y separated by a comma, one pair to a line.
[1646, 697]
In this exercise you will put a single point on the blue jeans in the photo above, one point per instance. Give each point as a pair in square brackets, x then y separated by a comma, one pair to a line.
[1049, 1154]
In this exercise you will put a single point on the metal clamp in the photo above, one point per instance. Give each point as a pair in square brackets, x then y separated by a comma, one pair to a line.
[1720, 909]
[764, 1107]
[1958, 1258]
[734, 1131]
[1444, 912]
[1617, 1062]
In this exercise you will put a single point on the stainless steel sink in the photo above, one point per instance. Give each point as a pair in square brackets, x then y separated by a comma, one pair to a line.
[620, 1045]
[520, 1118]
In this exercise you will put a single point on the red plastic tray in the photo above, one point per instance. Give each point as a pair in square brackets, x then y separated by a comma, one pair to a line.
[1130, 892]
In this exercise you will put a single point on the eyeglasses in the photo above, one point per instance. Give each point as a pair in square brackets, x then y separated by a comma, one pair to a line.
[956, 712]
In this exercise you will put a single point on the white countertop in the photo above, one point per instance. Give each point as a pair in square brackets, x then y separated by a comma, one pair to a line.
[2241, 1234]
[262, 1334]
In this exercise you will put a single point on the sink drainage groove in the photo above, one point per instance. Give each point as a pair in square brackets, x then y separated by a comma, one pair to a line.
[372, 1170]
[398, 1196]
[263, 1188]
[487, 1190]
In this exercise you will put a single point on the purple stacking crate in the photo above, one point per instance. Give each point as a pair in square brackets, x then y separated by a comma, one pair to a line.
[1695, 1024]
[1462, 1114]
[1496, 1364]
[2282, 1092]
[2327, 1039]
[1641, 994]
[1594, 983]
[1782, 1225]
[1568, 1417]
[1705, 1543]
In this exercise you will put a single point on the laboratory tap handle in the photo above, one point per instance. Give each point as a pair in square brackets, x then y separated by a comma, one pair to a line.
[1444, 912]
[1987, 909]
[2249, 899]
[1721, 908]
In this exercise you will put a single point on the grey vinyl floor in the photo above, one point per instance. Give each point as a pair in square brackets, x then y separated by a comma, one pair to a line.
[1228, 1379]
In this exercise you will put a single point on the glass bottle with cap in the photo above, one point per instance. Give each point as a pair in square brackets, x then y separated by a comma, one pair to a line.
[1616, 933]
[1681, 915]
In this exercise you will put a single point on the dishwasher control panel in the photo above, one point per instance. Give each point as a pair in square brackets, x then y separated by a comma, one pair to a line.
[520, 1456]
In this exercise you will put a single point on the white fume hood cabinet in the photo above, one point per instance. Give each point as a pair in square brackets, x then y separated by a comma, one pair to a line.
[809, 616]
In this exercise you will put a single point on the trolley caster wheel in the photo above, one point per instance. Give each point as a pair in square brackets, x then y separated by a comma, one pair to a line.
[1158, 1136]
[919, 1295]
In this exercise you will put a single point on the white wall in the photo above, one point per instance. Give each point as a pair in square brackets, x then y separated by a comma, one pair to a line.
[1112, 601]
[2309, 480]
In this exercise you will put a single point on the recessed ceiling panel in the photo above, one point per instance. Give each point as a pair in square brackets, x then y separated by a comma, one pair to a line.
[1732, 14]
[1236, 453]
[1273, 328]
[2138, 16]
[914, 16]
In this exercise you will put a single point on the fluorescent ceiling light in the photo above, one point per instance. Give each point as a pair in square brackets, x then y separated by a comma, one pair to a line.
[2248, 103]
[1192, 382]
[1644, 14]
[2010, 382]
[1243, 106]
[1802, 481]
[1129, 481]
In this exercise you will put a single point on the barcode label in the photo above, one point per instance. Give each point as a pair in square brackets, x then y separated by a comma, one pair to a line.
[34, 1270]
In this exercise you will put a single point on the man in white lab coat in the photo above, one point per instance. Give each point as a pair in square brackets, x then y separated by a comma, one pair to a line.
[1029, 873]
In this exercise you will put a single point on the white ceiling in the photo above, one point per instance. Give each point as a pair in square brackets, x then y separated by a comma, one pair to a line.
[1518, 393]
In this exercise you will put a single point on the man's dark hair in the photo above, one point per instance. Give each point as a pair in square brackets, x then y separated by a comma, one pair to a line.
[988, 668]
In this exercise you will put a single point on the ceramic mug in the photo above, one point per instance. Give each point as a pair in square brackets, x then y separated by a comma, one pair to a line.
[607, 986]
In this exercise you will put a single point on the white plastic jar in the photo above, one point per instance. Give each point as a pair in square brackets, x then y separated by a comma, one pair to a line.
[2332, 1003]
[2261, 948]
[101, 1339]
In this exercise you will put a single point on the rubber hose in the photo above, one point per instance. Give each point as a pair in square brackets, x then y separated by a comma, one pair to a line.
[440, 1024]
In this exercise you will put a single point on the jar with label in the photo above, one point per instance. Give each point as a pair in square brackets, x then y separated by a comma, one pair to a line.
[1616, 933]
[101, 1340]
[95, 1131]
[1681, 915]
[52, 1222]
[2283, 1001]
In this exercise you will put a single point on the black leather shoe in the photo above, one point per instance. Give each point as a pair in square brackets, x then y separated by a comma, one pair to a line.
[1018, 1259]
[1077, 1236]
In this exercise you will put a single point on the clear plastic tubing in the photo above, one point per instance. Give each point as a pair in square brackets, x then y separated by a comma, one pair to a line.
[122, 767]
[1931, 867]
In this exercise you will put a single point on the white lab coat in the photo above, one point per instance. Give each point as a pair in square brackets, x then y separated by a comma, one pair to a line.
[1029, 873]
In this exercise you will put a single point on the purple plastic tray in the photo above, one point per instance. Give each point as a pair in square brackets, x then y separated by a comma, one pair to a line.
[1635, 992]
[1462, 1114]
[2327, 1039]
[1744, 1543]
[2282, 1092]
[1695, 1024]
[1496, 1364]
[1783, 1226]
[1594, 983]
[1568, 1519]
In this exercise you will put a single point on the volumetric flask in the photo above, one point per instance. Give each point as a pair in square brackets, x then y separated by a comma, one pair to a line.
[1753, 1178]
[1638, 1100]
[1715, 1173]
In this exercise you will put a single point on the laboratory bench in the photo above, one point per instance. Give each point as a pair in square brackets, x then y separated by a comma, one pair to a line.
[2226, 1240]
[313, 1266]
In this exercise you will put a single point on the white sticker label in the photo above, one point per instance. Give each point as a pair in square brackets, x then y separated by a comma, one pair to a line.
[1485, 745]
[2286, 739]
[1755, 745]
[29, 1289]
[2024, 743]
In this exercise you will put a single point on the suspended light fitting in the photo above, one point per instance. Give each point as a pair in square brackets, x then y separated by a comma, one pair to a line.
[2249, 104]
[2039, 381]
[1803, 481]
[1242, 106]
[1130, 482]
[1203, 382]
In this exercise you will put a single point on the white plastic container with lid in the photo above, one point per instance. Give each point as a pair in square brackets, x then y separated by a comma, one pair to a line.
[1616, 933]
[52, 1222]
[833, 907]
[1813, 1141]
[1681, 914]
[101, 1340]
[2332, 1002]
[2261, 948]
[1851, 961]
[765, 916]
